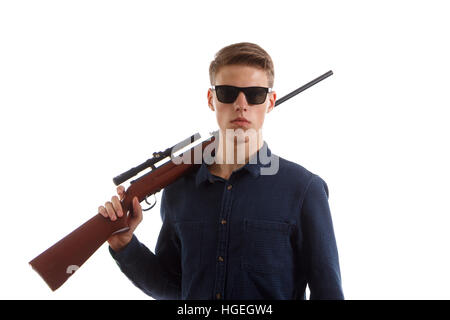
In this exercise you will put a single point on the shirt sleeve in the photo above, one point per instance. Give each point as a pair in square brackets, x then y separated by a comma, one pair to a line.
[322, 262]
[157, 274]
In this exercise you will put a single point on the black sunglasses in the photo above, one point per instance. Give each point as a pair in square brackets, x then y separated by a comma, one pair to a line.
[229, 94]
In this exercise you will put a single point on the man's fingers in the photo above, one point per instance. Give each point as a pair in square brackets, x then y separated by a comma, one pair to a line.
[102, 211]
[110, 210]
[121, 192]
[117, 206]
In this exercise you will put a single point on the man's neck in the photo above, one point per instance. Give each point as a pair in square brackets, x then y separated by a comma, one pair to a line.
[233, 153]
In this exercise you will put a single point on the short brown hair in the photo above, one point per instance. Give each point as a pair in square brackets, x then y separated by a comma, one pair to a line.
[243, 53]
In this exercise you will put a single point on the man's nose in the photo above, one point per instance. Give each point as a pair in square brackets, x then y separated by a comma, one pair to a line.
[241, 101]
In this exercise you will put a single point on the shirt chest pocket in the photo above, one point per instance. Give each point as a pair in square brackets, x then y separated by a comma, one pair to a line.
[267, 248]
[190, 234]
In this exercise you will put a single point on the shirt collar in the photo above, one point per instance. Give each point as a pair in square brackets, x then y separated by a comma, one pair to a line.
[253, 166]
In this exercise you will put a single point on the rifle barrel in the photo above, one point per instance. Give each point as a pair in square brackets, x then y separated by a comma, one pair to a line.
[303, 88]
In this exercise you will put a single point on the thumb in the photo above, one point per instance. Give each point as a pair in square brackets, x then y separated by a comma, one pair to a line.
[137, 209]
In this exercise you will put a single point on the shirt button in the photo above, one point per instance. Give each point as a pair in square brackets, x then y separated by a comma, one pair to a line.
[218, 296]
[229, 187]
[223, 221]
[220, 259]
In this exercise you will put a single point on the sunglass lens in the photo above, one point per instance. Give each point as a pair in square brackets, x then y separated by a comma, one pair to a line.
[256, 95]
[226, 94]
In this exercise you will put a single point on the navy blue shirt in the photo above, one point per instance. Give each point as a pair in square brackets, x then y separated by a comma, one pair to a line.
[253, 236]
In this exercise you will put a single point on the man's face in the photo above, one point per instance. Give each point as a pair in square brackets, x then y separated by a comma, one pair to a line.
[226, 113]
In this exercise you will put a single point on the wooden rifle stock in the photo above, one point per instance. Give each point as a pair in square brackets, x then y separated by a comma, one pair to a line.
[56, 264]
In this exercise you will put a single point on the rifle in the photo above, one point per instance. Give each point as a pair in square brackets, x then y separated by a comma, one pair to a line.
[56, 264]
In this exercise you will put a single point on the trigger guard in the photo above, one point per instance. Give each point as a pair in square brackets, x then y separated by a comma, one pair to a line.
[151, 205]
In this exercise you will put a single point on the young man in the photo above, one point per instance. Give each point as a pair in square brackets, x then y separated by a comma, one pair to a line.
[239, 228]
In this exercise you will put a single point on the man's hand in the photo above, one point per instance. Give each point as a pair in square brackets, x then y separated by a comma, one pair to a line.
[113, 210]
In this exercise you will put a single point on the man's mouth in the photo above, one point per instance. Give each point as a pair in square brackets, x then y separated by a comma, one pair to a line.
[240, 121]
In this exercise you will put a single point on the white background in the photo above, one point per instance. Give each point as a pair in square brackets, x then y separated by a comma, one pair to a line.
[90, 88]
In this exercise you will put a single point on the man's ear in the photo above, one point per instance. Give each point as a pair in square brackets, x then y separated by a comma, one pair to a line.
[272, 99]
[210, 98]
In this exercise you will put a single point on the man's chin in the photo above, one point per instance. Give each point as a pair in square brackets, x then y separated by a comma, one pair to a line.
[240, 134]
